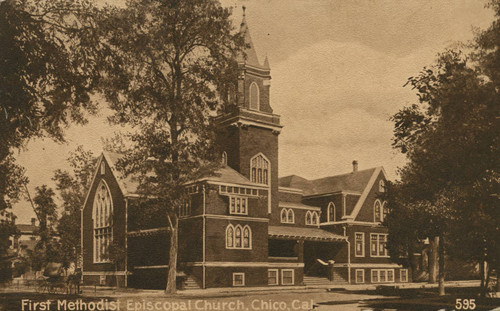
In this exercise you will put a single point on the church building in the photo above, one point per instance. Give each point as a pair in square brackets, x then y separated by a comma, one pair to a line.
[244, 226]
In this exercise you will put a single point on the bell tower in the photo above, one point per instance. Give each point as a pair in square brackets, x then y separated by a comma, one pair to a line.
[248, 130]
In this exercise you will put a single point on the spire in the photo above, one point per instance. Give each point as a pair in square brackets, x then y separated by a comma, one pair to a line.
[266, 63]
[251, 55]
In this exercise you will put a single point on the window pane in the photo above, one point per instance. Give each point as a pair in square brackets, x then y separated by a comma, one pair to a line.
[272, 277]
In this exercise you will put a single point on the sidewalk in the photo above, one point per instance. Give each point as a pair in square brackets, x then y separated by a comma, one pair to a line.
[228, 291]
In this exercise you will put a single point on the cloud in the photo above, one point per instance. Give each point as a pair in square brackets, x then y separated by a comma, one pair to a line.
[335, 99]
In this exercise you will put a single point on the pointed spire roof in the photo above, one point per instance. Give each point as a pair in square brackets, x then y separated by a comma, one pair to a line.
[266, 63]
[251, 55]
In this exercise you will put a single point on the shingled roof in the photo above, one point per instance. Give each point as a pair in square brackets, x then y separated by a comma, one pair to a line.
[353, 182]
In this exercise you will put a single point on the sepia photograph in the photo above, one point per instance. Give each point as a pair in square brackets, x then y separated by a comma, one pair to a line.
[165, 155]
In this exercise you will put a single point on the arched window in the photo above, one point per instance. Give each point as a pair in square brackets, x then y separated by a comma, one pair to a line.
[224, 158]
[330, 212]
[385, 211]
[247, 237]
[259, 168]
[238, 237]
[283, 215]
[308, 218]
[254, 96]
[315, 218]
[381, 186]
[103, 222]
[287, 216]
[377, 211]
[229, 236]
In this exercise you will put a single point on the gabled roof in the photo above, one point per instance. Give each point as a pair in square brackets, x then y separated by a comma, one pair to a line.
[354, 182]
[26, 228]
[129, 184]
[359, 182]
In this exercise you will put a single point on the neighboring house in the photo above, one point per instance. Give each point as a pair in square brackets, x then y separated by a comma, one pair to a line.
[27, 238]
[243, 226]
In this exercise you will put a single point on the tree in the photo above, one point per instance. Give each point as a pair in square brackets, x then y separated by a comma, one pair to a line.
[451, 139]
[72, 187]
[168, 64]
[46, 76]
[47, 248]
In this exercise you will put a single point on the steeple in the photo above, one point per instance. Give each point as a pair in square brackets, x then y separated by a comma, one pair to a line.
[251, 55]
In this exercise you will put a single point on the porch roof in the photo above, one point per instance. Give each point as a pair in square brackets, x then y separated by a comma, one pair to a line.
[307, 234]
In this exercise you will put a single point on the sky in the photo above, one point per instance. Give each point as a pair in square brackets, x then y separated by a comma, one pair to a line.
[338, 68]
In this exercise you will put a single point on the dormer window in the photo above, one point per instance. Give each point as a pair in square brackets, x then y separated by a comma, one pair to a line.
[254, 96]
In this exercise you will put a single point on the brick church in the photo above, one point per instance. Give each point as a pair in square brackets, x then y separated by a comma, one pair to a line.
[244, 226]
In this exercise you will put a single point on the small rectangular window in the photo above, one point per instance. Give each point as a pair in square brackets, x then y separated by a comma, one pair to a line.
[390, 275]
[403, 275]
[272, 277]
[374, 276]
[238, 279]
[103, 168]
[238, 205]
[360, 244]
[360, 276]
[287, 277]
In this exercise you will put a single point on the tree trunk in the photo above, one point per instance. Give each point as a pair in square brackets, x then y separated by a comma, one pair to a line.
[172, 262]
[482, 272]
[441, 266]
[433, 259]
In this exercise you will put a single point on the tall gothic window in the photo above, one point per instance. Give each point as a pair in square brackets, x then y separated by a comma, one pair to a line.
[254, 96]
[259, 168]
[331, 212]
[238, 237]
[103, 222]
[377, 211]
[224, 158]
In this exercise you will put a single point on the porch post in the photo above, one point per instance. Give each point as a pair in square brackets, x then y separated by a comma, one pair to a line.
[331, 270]
[300, 250]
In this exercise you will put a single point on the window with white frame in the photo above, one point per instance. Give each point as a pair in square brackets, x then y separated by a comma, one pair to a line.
[330, 212]
[287, 216]
[312, 218]
[225, 190]
[254, 96]
[272, 277]
[377, 211]
[103, 222]
[381, 186]
[360, 276]
[287, 276]
[186, 209]
[359, 244]
[238, 205]
[238, 279]
[403, 275]
[382, 275]
[378, 243]
[238, 237]
[259, 168]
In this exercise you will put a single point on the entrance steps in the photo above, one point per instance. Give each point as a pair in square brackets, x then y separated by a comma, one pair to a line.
[190, 283]
[322, 281]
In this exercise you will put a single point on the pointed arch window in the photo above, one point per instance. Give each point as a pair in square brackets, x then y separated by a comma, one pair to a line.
[287, 216]
[330, 212]
[385, 211]
[238, 237]
[224, 158]
[103, 222]
[312, 218]
[381, 186]
[254, 99]
[377, 211]
[259, 168]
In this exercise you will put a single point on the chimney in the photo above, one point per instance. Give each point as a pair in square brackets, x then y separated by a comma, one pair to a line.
[33, 221]
[354, 166]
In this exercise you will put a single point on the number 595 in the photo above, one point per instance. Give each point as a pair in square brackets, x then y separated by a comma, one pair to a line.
[465, 304]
